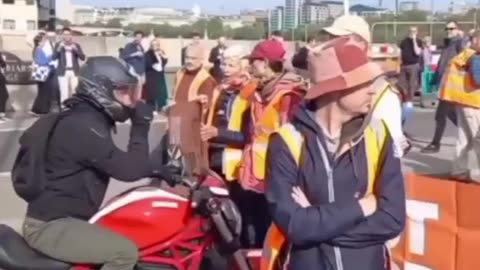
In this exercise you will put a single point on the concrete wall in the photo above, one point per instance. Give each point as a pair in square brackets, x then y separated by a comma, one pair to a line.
[20, 45]
[93, 46]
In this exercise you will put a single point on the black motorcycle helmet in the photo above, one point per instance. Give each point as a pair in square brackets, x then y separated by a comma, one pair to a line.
[99, 77]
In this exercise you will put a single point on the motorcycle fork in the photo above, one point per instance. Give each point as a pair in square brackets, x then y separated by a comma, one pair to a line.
[226, 234]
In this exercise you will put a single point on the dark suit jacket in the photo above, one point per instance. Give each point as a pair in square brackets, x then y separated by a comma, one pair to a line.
[2, 62]
[60, 54]
[137, 62]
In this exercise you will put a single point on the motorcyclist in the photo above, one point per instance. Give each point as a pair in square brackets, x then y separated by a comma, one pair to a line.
[81, 158]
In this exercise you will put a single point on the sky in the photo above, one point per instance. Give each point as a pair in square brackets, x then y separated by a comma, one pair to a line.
[234, 6]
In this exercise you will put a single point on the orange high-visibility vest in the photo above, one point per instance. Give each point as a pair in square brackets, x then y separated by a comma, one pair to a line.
[375, 137]
[457, 84]
[266, 120]
[197, 82]
[232, 157]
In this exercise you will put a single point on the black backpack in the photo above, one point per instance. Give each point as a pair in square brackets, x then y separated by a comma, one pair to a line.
[28, 173]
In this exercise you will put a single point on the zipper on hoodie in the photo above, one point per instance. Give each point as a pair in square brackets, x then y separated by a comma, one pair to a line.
[331, 196]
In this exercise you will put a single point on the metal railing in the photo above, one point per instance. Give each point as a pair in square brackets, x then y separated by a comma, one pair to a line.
[416, 23]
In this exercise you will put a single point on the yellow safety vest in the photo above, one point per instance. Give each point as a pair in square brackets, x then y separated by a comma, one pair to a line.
[375, 137]
[197, 82]
[384, 88]
[232, 157]
[457, 84]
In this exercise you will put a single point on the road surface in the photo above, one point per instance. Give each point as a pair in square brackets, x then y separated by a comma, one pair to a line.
[420, 127]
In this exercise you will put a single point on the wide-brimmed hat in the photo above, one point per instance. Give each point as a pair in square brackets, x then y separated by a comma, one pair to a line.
[348, 25]
[340, 64]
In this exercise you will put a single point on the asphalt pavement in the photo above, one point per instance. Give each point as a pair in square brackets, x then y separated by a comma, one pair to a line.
[12, 210]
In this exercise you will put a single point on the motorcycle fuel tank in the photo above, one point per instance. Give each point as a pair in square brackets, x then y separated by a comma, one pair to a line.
[146, 215]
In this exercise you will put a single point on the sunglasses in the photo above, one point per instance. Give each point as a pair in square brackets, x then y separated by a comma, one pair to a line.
[450, 28]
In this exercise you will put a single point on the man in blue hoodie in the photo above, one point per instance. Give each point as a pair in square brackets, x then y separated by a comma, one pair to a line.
[334, 186]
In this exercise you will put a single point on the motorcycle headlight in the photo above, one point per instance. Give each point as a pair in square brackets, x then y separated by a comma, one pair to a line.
[232, 215]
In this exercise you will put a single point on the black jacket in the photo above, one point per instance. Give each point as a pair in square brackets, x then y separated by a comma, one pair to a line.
[333, 234]
[226, 137]
[80, 160]
[299, 60]
[2, 62]
[151, 59]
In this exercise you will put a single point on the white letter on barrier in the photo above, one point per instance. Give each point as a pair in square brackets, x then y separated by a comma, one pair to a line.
[418, 212]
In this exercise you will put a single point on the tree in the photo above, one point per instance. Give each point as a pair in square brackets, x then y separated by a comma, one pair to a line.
[215, 28]
[114, 23]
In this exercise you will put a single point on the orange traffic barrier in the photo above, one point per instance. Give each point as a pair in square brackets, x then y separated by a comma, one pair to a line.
[443, 226]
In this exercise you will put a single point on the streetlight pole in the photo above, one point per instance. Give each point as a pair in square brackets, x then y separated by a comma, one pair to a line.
[395, 21]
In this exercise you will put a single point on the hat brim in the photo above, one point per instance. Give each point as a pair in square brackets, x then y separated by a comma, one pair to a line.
[336, 31]
[361, 75]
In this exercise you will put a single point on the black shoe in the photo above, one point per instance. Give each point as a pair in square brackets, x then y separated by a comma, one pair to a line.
[431, 149]
[407, 147]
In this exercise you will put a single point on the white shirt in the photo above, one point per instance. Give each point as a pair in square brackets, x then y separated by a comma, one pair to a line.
[68, 57]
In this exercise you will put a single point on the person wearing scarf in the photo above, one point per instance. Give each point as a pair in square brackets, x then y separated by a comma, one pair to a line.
[227, 124]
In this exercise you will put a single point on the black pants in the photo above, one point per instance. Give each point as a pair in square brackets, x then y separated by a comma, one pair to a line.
[445, 110]
[255, 215]
[47, 95]
[3, 93]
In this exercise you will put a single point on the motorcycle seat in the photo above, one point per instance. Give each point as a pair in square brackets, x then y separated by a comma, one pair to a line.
[16, 254]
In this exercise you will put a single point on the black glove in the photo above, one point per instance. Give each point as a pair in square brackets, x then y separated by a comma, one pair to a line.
[168, 174]
[142, 114]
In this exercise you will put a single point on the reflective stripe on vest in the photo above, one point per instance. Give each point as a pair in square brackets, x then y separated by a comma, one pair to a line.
[457, 84]
[195, 85]
[232, 157]
[266, 120]
[375, 137]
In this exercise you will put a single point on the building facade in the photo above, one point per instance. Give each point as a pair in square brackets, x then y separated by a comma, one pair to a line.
[18, 16]
[316, 12]
[409, 6]
[277, 18]
[293, 13]
[367, 11]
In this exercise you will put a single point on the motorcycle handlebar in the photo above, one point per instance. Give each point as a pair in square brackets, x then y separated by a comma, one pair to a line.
[189, 182]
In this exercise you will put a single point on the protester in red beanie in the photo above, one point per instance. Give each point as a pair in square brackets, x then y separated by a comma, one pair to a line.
[278, 95]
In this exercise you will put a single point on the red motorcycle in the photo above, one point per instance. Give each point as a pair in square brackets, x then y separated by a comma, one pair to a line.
[172, 232]
[197, 231]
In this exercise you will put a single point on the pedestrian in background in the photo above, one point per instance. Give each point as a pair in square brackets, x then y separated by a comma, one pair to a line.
[465, 67]
[3, 89]
[134, 55]
[68, 54]
[195, 42]
[215, 58]
[411, 54]
[155, 89]
[454, 44]
[43, 73]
